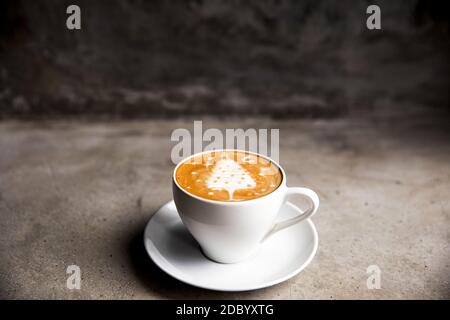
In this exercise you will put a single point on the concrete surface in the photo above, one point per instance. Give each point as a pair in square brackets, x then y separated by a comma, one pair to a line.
[81, 194]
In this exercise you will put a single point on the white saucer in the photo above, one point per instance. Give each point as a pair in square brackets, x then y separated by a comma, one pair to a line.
[281, 256]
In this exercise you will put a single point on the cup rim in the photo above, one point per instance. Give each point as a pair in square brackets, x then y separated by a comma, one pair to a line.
[220, 202]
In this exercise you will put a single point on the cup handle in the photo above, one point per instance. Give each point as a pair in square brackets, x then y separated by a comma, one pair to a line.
[314, 205]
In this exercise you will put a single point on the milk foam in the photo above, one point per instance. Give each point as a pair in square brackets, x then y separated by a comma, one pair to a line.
[229, 175]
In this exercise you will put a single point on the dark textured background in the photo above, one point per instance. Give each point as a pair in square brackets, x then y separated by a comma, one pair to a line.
[136, 58]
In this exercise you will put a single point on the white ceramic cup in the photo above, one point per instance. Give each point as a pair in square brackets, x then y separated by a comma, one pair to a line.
[230, 232]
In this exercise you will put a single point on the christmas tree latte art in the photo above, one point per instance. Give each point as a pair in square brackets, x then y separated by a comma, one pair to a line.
[228, 176]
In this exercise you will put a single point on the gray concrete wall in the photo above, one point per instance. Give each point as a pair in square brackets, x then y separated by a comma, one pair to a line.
[170, 58]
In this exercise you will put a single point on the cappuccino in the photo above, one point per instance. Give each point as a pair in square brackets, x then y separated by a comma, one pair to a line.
[228, 175]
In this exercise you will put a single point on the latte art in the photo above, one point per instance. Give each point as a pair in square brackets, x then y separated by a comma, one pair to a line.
[228, 176]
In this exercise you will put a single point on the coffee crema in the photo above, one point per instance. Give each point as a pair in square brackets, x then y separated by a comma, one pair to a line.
[228, 176]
